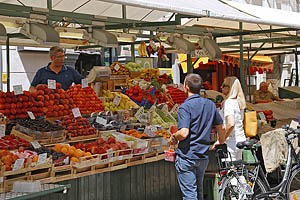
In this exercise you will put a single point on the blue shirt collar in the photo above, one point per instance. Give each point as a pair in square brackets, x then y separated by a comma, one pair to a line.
[64, 68]
[193, 96]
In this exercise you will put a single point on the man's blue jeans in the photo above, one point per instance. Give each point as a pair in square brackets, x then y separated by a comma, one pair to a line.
[190, 174]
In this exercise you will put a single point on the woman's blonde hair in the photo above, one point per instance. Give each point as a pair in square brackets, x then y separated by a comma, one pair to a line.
[235, 91]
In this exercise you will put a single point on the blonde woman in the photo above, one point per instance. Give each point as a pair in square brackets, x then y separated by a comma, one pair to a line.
[233, 115]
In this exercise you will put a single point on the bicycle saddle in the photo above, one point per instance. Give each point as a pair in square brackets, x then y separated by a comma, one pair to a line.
[246, 144]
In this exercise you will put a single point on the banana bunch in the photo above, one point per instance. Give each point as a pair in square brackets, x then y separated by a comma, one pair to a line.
[142, 50]
[125, 104]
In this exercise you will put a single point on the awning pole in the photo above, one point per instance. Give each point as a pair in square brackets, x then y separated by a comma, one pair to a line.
[248, 72]
[7, 65]
[132, 53]
[297, 71]
[242, 75]
[189, 64]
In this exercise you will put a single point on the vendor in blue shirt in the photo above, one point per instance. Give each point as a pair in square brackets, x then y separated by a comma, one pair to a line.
[196, 118]
[56, 70]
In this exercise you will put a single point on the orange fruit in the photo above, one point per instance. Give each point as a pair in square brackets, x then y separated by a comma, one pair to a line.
[87, 154]
[78, 153]
[66, 146]
[74, 159]
[35, 158]
[71, 152]
[58, 146]
[64, 150]
[73, 148]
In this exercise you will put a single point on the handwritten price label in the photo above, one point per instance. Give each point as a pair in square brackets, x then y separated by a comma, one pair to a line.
[101, 120]
[18, 89]
[84, 83]
[18, 164]
[117, 67]
[35, 145]
[117, 100]
[2, 130]
[31, 115]
[76, 112]
[42, 158]
[51, 84]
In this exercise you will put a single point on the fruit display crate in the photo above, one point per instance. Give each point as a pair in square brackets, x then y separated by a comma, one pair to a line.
[118, 76]
[39, 171]
[41, 141]
[82, 137]
[60, 173]
[134, 74]
[117, 84]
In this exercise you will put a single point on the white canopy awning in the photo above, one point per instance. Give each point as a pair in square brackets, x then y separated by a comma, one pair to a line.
[220, 10]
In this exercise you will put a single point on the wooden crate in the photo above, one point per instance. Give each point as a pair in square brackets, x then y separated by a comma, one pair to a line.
[61, 173]
[41, 141]
[136, 160]
[83, 137]
[39, 171]
[9, 177]
[134, 74]
[119, 76]
[117, 84]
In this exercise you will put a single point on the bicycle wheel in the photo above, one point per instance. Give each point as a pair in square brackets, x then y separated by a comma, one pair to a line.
[229, 190]
[294, 182]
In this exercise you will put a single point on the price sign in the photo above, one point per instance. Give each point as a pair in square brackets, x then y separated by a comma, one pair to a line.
[148, 131]
[84, 83]
[31, 115]
[101, 120]
[35, 145]
[42, 158]
[262, 116]
[117, 67]
[117, 100]
[1, 179]
[2, 130]
[18, 89]
[18, 164]
[175, 109]
[76, 112]
[123, 128]
[139, 113]
[165, 108]
[120, 157]
[51, 84]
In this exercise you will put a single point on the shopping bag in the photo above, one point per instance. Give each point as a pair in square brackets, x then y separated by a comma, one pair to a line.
[250, 124]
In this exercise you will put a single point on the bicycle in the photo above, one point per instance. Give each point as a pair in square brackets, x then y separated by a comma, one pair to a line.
[254, 185]
[236, 180]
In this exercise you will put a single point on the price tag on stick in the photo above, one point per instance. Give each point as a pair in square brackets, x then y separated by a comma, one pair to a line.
[262, 116]
[117, 100]
[84, 83]
[76, 112]
[35, 145]
[31, 115]
[2, 130]
[117, 67]
[123, 128]
[18, 164]
[101, 120]
[51, 84]
[18, 89]
[42, 158]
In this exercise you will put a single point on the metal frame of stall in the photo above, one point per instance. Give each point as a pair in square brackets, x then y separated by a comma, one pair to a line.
[169, 26]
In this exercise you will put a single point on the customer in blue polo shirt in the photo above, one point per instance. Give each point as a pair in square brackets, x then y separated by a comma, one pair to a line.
[196, 118]
[56, 70]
